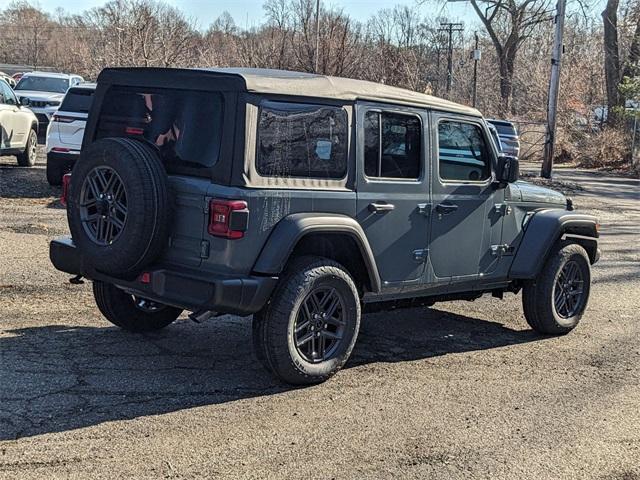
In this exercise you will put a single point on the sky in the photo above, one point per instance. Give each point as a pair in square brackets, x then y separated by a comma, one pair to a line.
[248, 13]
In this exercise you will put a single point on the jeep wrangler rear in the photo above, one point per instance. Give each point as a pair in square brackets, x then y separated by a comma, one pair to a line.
[303, 200]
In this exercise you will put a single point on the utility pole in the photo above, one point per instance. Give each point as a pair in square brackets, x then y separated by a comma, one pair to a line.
[450, 28]
[317, 52]
[475, 56]
[554, 87]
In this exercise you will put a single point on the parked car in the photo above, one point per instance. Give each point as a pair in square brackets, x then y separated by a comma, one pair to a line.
[304, 200]
[509, 138]
[495, 137]
[43, 92]
[17, 76]
[65, 132]
[8, 79]
[18, 128]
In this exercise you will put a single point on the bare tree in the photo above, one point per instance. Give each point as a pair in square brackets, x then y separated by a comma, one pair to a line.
[509, 23]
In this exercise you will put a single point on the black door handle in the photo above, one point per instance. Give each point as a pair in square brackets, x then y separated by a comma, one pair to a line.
[445, 208]
[381, 207]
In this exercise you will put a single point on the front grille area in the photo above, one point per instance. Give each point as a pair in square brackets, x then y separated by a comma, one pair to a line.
[38, 103]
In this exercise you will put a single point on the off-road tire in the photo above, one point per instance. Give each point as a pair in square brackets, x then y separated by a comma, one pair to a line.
[28, 157]
[538, 294]
[273, 326]
[120, 308]
[146, 230]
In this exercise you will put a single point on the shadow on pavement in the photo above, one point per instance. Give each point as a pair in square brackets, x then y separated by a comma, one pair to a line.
[57, 378]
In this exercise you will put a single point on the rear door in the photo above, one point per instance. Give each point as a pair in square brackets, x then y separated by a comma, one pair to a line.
[393, 189]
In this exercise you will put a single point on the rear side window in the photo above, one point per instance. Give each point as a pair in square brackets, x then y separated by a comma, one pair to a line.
[302, 140]
[463, 153]
[392, 145]
[77, 100]
[184, 125]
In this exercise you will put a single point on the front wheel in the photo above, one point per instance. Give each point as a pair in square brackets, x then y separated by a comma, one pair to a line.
[28, 157]
[556, 299]
[131, 313]
[307, 331]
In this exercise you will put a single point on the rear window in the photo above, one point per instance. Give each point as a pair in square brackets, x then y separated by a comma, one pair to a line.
[184, 125]
[77, 100]
[302, 140]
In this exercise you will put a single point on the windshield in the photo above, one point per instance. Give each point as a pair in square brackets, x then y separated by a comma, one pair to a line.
[505, 128]
[43, 84]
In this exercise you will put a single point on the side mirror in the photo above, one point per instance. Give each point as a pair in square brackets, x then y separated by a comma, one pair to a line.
[508, 169]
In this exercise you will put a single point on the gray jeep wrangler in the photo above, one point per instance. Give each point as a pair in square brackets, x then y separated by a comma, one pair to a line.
[304, 200]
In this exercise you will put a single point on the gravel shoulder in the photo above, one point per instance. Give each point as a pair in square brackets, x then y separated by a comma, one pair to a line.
[460, 390]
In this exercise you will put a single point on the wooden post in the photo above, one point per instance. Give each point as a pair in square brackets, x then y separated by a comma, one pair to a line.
[554, 87]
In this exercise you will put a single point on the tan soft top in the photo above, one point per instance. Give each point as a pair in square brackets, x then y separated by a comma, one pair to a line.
[284, 82]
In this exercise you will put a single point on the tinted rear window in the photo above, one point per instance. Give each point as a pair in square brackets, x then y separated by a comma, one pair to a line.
[302, 140]
[184, 125]
[77, 100]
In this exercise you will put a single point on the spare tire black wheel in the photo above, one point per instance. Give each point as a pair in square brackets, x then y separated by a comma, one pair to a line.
[118, 206]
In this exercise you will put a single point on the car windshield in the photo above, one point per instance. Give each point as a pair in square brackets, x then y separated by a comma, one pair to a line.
[505, 128]
[43, 84]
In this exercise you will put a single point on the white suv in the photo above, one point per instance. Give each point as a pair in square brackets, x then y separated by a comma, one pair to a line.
[18, 128]
[42, 92]
[65, 132]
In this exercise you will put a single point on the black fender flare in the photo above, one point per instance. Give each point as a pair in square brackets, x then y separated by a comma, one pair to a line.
[292, 228]
[543, 229]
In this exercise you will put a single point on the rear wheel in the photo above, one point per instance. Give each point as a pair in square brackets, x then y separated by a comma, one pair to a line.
[307, 331]
[28, 157]
[555, 301]
[131, 313]
[55, 170]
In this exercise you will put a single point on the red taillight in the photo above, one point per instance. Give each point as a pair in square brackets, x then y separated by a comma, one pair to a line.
[228, 218]
[60, 150]
[66, 180]
[62, 119]
[134, 131]
[145, 277]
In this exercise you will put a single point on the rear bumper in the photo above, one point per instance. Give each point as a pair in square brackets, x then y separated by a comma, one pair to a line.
[191, 290]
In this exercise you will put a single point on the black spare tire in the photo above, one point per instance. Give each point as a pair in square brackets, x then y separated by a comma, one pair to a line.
[118, 206]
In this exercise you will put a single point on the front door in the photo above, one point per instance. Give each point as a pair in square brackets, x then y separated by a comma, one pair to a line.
[393, 189]
[8, 117]
[464, 214]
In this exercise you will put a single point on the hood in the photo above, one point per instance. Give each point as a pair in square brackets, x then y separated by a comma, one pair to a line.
[36, 95]
[534, 194]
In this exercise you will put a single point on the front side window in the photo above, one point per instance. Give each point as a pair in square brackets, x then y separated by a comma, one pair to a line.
[302, 140]
[185, 125]
[463, 153]
[392, 145]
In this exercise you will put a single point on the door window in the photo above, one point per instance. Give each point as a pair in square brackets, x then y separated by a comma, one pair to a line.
[463, 153]
[302, 140]
[6, 94]
[392, 145]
